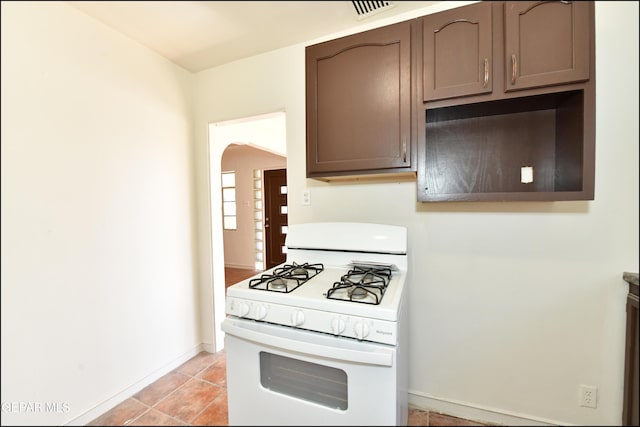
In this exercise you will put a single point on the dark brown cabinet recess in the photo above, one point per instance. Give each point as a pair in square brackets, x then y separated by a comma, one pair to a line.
[546, 43]
[457, 52]
[631, 396]
[477, 151]
[358, 97]
[521, 128]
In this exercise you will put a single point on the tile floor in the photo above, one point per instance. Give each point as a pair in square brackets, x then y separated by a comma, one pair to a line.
[195, 394]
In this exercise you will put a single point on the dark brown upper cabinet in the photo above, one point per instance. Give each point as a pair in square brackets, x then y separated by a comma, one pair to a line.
[546, 43]
[492, 101]
[522, 127]
[457, 52]
[358, 104]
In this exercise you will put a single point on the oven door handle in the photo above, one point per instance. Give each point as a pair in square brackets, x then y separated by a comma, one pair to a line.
[378, 356]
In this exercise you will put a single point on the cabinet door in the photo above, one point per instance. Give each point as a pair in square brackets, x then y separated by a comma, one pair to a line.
[457, 52]
[546, 43]
[359, 102]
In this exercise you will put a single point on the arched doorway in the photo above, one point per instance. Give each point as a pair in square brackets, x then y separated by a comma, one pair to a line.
[265, 133]
[252, 207]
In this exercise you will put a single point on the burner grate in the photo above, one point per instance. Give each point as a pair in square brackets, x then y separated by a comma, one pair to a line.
[286, 278]
[363, 285]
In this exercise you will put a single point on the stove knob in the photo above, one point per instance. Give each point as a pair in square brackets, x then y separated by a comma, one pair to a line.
[261, 312]
[297, 318]
[243, 309]
[361, 330]
[337, 325]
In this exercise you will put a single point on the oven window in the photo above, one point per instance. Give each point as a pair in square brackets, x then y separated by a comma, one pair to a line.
[320, 384]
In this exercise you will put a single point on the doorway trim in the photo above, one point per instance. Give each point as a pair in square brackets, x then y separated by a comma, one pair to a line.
[267, 132]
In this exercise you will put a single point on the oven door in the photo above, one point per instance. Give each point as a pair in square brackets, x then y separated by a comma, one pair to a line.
[278, 375]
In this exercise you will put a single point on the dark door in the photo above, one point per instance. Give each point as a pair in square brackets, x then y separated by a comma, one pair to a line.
[275, 219]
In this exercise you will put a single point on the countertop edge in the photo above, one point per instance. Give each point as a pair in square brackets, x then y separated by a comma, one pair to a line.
[630, 278]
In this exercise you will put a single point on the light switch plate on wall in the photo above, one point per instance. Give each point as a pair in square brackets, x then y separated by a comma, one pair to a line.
[306, 197]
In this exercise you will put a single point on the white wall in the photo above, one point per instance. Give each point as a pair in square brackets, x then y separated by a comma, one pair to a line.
[99, 286]
[513, 305]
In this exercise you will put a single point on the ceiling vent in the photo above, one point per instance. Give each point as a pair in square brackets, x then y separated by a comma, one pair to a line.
[365, 9]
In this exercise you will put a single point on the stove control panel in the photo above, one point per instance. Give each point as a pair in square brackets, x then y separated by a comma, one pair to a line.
[261, 311]
[360, 328]
[338, 325]
[297, 318]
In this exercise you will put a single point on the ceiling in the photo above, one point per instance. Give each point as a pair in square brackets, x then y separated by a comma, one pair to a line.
[197, 35]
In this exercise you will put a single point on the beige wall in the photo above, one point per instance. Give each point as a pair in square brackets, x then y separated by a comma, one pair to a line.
[99, 278]
[108, 279]
[239, 245]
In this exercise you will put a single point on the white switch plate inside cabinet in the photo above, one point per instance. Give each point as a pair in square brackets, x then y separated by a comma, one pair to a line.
[526, 174]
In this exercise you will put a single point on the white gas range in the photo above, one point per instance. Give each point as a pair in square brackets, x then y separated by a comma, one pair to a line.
[322, 338]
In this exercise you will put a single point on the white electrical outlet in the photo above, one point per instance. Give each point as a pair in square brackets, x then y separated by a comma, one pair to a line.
[588, 396]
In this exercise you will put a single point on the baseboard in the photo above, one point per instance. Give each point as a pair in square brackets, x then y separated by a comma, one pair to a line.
[241, 267]
[208, 347]
[110, 403]
[478, 413]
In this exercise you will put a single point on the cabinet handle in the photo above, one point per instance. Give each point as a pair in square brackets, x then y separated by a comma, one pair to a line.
[404, 149]
[486, 72]
[514, 68]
